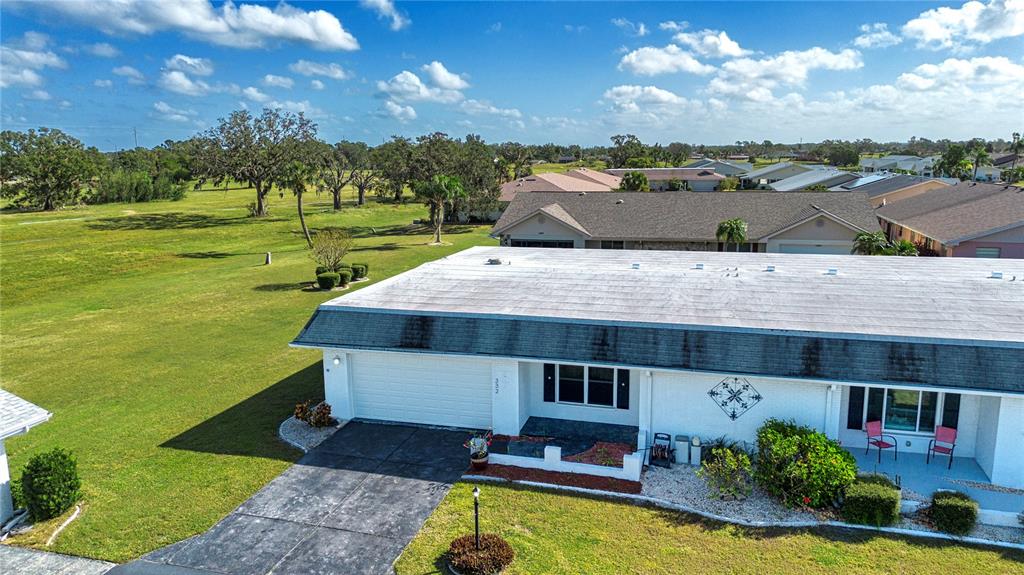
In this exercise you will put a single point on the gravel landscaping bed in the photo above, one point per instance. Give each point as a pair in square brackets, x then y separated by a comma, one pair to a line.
[917, 522]
[681, 486]
[304, 436]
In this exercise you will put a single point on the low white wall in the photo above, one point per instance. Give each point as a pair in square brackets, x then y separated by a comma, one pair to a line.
[6, 505]
[552, 461]
[680, 405]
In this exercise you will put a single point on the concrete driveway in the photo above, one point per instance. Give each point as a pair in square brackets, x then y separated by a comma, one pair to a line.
[349, 506]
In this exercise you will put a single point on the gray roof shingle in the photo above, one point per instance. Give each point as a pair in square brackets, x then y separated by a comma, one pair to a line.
[690, 216]
[17, 415]
[965, 210]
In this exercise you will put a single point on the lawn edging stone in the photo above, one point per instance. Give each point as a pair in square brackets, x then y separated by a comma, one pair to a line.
[745, 523]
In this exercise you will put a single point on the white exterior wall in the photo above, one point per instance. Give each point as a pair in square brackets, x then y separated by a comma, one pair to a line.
[6, 504]
[703, 185]
[680, 404]
[1007, 464]
[337, 391]
[540, 408]
[506, 404]
[967, 429]
[988, 430]
[543, 227]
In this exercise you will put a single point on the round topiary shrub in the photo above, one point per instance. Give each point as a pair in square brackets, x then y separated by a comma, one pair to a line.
[358, 271]
[493, 556]
[328, 280]
[953, 512]
[345, 276]
[322, 270]
[366, 267]
[872, 501]
[50, 484]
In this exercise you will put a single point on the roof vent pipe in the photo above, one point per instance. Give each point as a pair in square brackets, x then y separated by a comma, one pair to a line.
[698, 266]
[832, 271]
[769, 268]
[997, 275]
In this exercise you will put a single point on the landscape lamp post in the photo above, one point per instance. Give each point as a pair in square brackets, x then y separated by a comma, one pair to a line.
[476, 514]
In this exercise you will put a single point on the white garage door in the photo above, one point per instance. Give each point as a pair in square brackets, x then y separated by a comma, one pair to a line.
[814, 249]
[426, 389]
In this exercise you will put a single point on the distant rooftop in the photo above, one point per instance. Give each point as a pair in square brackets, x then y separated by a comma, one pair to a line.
[880, 183]
[874, 297]
[960, 212]
[579, 180]
[18, 415]
[820, 177]
[700, 173]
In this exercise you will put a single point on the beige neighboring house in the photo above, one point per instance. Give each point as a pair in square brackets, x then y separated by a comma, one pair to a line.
[695, 179]
[578, 180]
[782, 222]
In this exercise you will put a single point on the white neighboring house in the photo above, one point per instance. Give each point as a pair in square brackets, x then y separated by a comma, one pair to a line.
[696, 343]
[17, 416]
[902, 163]
[762, 178]
[823, 178]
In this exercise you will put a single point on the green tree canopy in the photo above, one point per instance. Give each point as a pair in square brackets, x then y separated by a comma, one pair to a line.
[45, 169]
[733, 231]
[635, 182]
[439, 192]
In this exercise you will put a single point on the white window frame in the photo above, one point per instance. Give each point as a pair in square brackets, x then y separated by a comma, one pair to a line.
[586, 386]
[940, 405]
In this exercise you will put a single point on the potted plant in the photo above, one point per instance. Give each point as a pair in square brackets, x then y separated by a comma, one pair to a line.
[477, 445]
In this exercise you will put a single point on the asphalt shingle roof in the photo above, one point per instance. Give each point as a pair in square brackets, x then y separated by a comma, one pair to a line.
[17, 414]
[888, 184]
[965, 210]
[691, 216]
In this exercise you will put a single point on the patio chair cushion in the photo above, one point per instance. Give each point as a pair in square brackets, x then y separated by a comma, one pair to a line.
[881, 443]
[942, 449]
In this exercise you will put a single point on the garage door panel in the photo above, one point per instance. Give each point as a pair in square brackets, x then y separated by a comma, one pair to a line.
[422, 389]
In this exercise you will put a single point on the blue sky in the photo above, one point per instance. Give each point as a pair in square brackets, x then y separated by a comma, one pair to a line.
[532, 72]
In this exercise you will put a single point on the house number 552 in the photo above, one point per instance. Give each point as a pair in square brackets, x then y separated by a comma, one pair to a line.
[496, 386]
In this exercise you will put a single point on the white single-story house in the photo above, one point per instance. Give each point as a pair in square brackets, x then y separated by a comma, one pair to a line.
[17, 416]
[702, 344]
[823, 178]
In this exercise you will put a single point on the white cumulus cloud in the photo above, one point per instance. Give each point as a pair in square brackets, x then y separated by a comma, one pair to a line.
[442, 78]
[385, 9]
[278, 81]
[711, 43]
[133, 75]
[22, 60]
[316, 84]
[651, 61]
[756, 79]
[638, 29]
[253, 93]
[407, 86]
[239, 25]
[190, 65]
[103, 83]
[168, 112]
[971, 24]
[399, 112]
[876, 35]
[328, 70]
[481, 107]
[102, 50]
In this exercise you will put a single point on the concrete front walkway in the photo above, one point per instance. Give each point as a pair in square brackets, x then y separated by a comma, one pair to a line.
[349, 506]
[23, 561]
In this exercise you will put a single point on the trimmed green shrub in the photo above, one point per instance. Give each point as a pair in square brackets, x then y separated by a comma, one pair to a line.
[953, 512]
[358, 271]
[345, 276]
[877, 479]
[122, 186]
[727, 472]
[17, 495]
[50, 484]
[322, 270]
[801, 466]
[328, 280]
[344, 266]
[493, 556]
[365, 265]
[871, 502]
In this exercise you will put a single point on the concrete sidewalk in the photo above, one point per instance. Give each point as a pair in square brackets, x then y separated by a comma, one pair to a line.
[24, 561]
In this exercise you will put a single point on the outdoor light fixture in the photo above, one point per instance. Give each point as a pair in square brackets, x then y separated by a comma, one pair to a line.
[476, 514]
[337, 360]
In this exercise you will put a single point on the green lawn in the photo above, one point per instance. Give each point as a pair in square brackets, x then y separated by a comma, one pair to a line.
[556, 533]
[556, 167]
[159, 341]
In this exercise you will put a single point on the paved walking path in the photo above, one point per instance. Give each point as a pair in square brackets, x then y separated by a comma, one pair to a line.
[24, 561]
[349, 506]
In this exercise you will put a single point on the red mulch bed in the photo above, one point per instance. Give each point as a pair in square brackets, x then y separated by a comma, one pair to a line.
[603, 453]
[558, 478]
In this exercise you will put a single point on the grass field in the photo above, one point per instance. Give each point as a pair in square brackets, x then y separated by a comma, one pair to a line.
[159, 341]
[555, 167]
[556, 533]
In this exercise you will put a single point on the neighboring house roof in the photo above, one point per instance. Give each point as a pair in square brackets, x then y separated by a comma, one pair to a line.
[1005, 160]
[769, 170]
[18, 415]
[879, 184]
[867, 323]
[719, 164]
[663, 174]
[822, 177]
[581, 180]
[959, 213]
[690, 216]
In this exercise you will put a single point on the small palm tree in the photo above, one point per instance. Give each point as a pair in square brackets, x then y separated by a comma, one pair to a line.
[1017, 148]
[980, 157]
[870, 243]
[298, 178]
[439, 192]
[901, 248]
[732, 231]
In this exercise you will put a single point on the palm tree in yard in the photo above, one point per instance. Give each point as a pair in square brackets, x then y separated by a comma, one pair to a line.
[298, 178]
[979, 158]
[870, 244]
[901, 248]
[1017, 148]
[732, 231]
[439, 192]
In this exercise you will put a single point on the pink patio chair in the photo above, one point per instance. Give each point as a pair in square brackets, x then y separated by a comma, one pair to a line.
[879, 440]
[944, 442]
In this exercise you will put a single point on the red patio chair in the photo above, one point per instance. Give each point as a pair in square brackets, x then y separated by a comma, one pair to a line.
[877, 439]
[944, 442]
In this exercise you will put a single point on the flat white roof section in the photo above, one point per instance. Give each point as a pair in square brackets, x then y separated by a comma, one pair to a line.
[18, 416]
[955, 299]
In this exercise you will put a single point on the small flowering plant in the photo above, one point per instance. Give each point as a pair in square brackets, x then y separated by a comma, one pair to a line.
[478, 443]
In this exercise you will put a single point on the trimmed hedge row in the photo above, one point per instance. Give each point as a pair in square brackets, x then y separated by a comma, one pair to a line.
[345, 273]
[953, 512]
